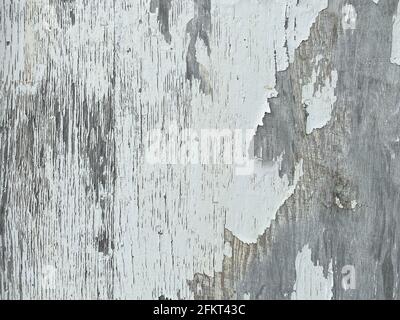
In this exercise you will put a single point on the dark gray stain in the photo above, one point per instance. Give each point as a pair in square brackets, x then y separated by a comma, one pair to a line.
[162, 7]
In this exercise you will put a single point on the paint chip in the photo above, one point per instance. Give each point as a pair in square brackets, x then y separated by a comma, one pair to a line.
[349, 17]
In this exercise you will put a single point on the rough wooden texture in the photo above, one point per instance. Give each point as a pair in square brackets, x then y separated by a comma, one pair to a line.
[84, 214]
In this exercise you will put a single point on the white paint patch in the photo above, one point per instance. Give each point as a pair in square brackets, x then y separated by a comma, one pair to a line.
[254, 200]
[26, 39]
[349, 17]
[162, 213]
[311, 283]
[376, 1]
[339, 203]
[32, 87]
[353, 204]
[301, 15]
[13, 43]
[319, 99]
[249, 45]
[395, 57]
[228, 250]
[90, 55]
[228, 3]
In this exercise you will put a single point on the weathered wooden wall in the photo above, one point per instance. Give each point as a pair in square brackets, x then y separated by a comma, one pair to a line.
[84, 213]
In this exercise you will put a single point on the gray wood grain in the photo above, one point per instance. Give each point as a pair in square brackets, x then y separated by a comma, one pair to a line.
[84, 213]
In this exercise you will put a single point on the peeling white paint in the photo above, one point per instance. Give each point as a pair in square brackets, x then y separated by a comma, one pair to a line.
[250, 43]
[32, 87]
[311, 284]
[254, 200]
[12, 42]
[319, 98]
[160, 213]
[301, 15]
[243, 66]
[349, 17]
[339, 203]
[163, 222]
[395, 56]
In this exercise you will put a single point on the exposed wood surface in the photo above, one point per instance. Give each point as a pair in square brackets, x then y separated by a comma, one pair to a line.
[86, 213]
